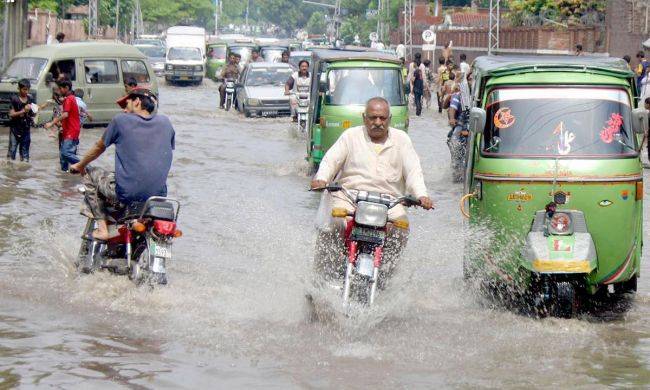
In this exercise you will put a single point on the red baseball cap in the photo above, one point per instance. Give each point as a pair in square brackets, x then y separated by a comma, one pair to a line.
[135, 92]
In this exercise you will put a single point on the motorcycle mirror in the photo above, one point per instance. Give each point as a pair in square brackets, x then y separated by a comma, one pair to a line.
[640, 120]
[322, 83]
[477, 117]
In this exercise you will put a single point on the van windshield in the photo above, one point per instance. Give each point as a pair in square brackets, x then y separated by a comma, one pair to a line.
[358, 85]
[185, 53]
[558, 122]
[24, 68]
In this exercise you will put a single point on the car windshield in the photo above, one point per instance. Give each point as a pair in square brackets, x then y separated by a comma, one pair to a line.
[358, 85]
[156, 42]
[243, 51]
[152, 51]
[217, 52]
[267, 76]
[531, 122]
[24, 68]
[184, 53]
[272, 55]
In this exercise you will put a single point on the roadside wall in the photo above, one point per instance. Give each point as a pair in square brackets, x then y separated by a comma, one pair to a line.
[74, 30]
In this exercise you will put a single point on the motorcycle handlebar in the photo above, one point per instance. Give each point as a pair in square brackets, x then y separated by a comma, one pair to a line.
[407, 201]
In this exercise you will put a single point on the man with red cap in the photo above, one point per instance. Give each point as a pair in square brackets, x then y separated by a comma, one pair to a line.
[144, 144]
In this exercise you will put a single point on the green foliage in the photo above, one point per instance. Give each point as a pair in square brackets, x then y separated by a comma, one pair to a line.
[317, 23]
[571, 12]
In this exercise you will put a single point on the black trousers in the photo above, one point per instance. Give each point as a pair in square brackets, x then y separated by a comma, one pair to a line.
[418, 102]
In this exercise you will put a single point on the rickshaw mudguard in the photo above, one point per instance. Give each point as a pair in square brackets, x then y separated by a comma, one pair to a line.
[546, 253]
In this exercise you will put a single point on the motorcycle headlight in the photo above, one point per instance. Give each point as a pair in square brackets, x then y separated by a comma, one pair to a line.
[198, 67]
[560, 224]
[371, 214]
[253, 102]
[303, 103]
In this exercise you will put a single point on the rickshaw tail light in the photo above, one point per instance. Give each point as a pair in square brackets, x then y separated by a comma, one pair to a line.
[347, 124]
[639, 190]
[338, 212]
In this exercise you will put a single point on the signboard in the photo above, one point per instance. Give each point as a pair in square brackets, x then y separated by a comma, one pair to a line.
[428, 36]
[428, 47]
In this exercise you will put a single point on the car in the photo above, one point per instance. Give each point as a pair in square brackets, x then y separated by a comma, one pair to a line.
[148, 41]
[156, 56]
[260, 90]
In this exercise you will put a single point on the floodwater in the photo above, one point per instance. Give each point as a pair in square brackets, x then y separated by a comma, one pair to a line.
[234, 314]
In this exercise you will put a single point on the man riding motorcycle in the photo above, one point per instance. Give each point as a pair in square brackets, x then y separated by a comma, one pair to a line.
[298, 81]
[144, 144]
[374, 157]
[230, 71]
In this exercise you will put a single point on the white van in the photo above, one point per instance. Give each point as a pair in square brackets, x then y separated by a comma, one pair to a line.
[185, 60]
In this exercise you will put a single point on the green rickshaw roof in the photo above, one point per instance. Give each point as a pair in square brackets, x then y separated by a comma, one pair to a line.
[496, 65]
[348, 55]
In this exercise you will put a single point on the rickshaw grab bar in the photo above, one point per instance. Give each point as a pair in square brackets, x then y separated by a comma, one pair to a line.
[560, 178]
[462, 204]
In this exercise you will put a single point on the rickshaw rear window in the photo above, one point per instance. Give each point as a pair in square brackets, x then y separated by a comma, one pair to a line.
[357, 85]
[558, 122]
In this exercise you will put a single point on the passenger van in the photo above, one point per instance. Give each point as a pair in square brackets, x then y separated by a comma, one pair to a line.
[98, 68]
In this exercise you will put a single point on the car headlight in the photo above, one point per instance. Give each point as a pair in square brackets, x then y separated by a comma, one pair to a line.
[158, 65]
[253, 102]
[198, 68]
[371, 214]
[169, 67]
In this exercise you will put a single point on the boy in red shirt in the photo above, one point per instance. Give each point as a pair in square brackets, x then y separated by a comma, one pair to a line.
[71, 125]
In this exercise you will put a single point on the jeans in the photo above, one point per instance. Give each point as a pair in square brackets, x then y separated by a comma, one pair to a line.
[68, 153]
[418, 103]
[19, 142]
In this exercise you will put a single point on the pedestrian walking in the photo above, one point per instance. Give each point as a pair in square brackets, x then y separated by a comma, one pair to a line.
[21, 114]
[418, 90]
[442, 75]
[70, 124]
[428, 82]
[641, 69]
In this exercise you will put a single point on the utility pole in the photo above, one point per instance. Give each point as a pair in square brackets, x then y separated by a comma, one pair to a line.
[248, 4]
[493, 32]
[139, 22]
[117, 20]
[93, 18]
[15, 29]
[336, 19]
[408, 28]
[216, 17]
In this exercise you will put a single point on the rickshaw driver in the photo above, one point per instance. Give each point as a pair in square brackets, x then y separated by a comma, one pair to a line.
[374, 157]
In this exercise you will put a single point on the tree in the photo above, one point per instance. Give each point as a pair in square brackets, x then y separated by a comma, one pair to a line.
[317, 23]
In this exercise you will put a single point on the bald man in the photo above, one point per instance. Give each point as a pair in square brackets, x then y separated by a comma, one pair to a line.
[374, 157]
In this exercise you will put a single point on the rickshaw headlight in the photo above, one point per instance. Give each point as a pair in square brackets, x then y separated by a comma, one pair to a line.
[371, 214]
[560, 224]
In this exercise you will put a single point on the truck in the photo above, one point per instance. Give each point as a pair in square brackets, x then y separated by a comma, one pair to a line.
[185, 58]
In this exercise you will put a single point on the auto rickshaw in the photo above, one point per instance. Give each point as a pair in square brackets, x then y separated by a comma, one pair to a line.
[341, 84]
[243, 48]
[554, 184]
[216, 58]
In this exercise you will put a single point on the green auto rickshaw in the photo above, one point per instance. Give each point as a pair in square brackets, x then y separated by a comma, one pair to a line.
[341, 84]
[216, 58]
[554, 180]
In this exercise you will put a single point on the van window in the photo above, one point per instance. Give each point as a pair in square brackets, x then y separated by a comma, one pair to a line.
[136, 69]
[101, 72]
[65, 68]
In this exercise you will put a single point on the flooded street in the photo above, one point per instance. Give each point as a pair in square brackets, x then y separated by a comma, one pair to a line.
[234, 314]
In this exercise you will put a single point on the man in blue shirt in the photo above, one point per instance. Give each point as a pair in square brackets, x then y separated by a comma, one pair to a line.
[143, 156]
[454, 111]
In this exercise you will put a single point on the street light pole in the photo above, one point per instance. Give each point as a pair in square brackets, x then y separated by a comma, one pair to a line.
[117, 20]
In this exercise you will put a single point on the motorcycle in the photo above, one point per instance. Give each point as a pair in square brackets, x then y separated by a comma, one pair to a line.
[302, 110]
[457, 143]
[365, 239]
[230, 93]
[142, 246]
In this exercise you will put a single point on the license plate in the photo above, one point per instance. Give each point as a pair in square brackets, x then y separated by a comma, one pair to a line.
[269, 113]
[184, 78]
[371, 233]
[160, 250]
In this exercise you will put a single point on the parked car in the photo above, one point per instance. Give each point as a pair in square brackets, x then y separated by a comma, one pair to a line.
[156, 56]
[97, 68]
[260, 91]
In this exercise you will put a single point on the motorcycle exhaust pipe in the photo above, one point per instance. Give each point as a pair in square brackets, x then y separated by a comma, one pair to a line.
[346, 285]
[373, 286]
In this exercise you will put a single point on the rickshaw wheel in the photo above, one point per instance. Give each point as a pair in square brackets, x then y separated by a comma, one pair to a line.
[626, 287]
[566, 301]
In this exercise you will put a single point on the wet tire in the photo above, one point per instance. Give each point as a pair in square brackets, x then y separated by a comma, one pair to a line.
[627, 287]
[566, 301]
[228, 103]
[138, 271]
[247, 113]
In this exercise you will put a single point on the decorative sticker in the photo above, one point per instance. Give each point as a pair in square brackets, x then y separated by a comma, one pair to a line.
[561, 246]
[625, 194]
[520, 196]
[565, 139]
[605, 203]
[503, 118]
[612, 126]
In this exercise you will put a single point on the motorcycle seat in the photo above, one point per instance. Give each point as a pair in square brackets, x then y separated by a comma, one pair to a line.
[156, 209]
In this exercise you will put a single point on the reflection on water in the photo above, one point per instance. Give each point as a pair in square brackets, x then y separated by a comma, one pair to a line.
[235, 313]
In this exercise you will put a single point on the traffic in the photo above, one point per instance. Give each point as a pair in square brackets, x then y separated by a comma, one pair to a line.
[313, 201]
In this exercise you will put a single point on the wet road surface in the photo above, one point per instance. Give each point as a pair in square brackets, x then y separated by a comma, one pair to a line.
[234, 314]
